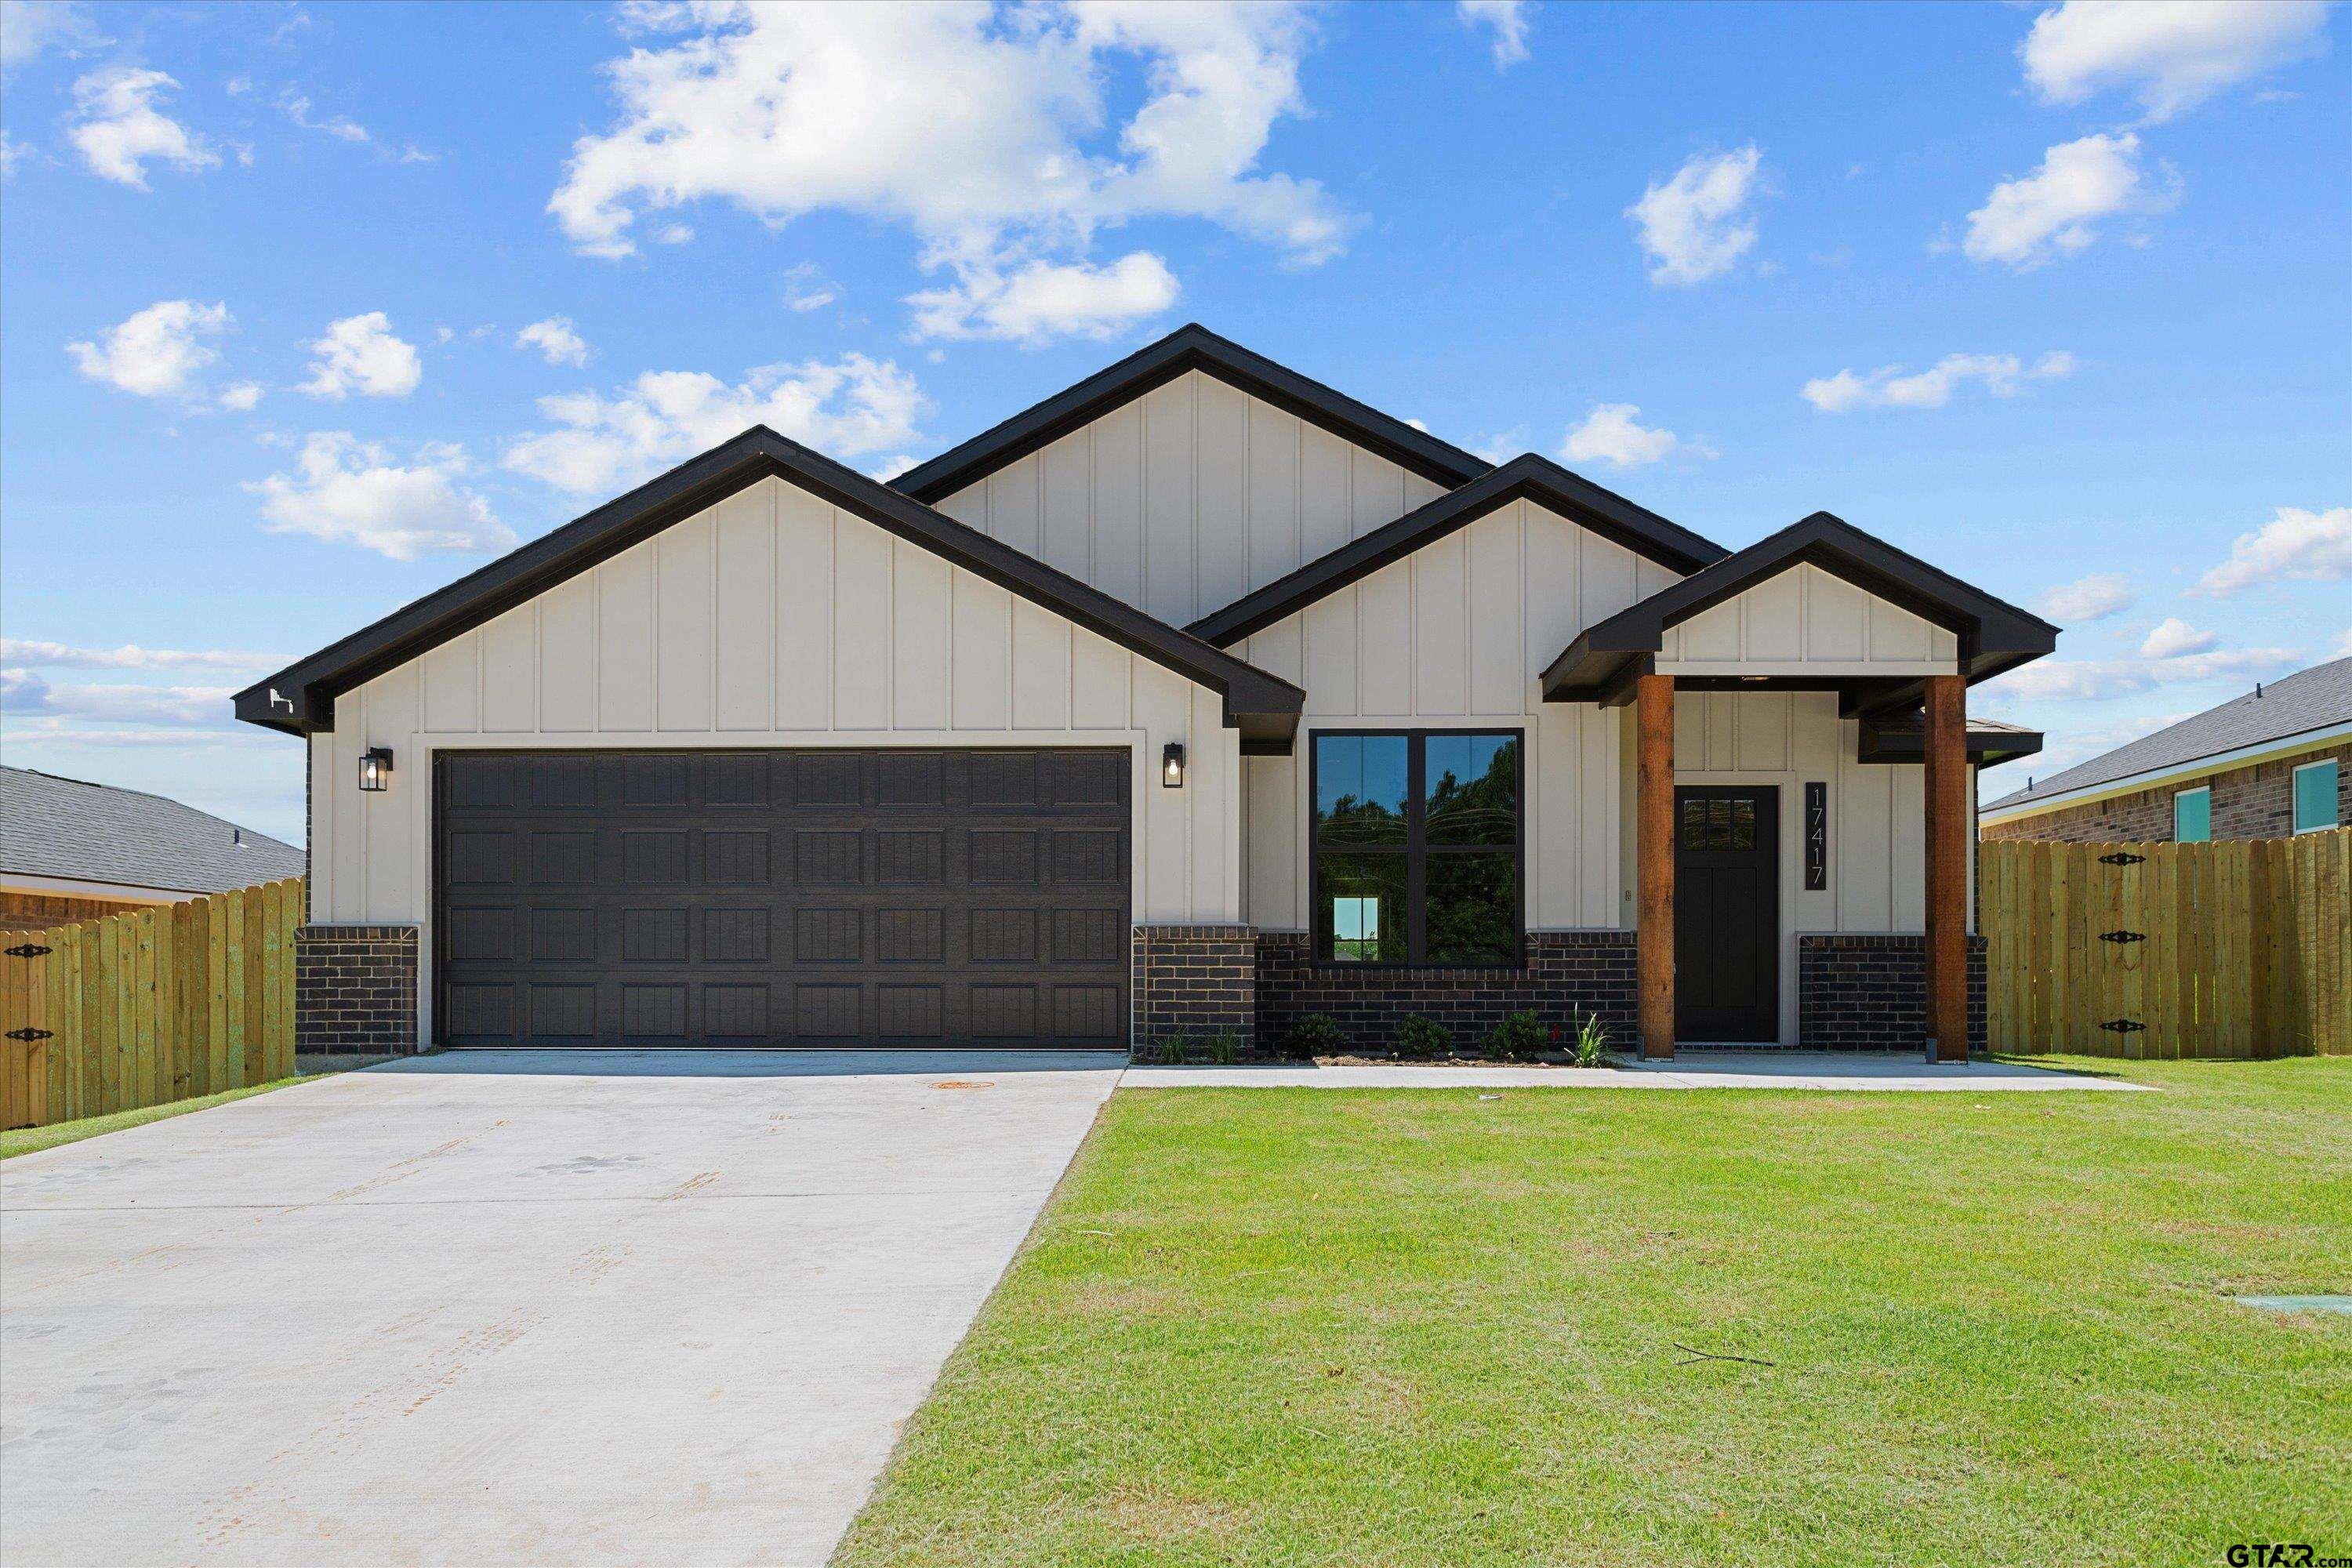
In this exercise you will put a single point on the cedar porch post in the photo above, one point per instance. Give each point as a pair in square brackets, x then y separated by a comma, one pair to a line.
[1947, 869]
[1653, 938]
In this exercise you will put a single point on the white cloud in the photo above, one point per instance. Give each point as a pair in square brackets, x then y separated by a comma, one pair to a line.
[985, 131]
[807, 289]
[157, 351]
[24, 652]
[2003, 375]
[2296, 544]
[339, 126]
[242, 396]
[1696, 225]
[23, 692]
[117, 127]
[360, 353]
[1509, 18]
[2091, 598]
[2343, 648]
[2173, 638]
[2056, 210]
[849, 407]
[12, 153]
[27, 30]
[2091, 680]
[352, 491]
[1612, 433]
[557, 339]
[1042, 300]
[2174, 53]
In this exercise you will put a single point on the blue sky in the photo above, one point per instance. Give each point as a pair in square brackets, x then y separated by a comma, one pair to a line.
[2054, 297]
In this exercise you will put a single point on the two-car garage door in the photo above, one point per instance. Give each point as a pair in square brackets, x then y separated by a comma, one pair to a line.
[757, 898]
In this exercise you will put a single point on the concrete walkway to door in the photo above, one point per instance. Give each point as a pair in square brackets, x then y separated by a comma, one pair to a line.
[507, 1307]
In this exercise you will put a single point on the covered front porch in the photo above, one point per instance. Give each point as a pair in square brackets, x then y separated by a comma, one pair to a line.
[1765, 878]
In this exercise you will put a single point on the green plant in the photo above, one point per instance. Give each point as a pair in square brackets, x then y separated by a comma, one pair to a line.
[1224, 1048]
[1317, 1034]
[1176, 1050]
[1591, 1046]
[1519, 1037]
[1419, 1038]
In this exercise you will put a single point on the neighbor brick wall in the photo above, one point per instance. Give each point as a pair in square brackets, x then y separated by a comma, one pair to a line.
[1568, 973]
[2255, 802]
[1870, 992]
[1196, 981]
[356, 988]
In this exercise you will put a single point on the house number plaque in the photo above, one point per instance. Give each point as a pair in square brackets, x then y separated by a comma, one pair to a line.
[1817, 838]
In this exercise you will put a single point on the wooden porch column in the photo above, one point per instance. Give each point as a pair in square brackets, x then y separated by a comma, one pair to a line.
[1947, 869]
[1654, 832]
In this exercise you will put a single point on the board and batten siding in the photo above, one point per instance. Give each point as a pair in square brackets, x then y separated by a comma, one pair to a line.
[771, 619]
[1188, 496]
[1805, 621]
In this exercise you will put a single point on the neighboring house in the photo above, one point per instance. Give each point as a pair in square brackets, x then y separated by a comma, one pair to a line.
[72, 850]
[1195, 699]
[2271, 763]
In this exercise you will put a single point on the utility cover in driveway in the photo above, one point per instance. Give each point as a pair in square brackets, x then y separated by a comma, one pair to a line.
[745, 898]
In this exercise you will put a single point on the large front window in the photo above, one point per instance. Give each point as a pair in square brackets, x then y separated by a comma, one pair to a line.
[1417, 848]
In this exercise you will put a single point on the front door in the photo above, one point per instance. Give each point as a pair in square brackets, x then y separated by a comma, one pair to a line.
[1726, 913]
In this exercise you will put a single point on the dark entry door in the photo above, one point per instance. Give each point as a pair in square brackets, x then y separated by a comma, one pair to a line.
[1726, 913]
[742, 898]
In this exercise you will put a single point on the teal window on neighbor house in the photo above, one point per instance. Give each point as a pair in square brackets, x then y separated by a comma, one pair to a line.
[1415, 853]
[2315, 796]
[2192, 817]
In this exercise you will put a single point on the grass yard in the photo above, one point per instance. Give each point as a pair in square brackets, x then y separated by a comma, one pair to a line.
[1301, 1326]
[32, 1140]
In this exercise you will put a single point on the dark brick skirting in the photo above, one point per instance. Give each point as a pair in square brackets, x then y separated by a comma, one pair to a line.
[1870, 992]
[355, 989]
[1198, 981]
[1567, 974]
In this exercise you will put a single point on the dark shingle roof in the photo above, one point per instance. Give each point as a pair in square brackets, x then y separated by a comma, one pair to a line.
[52, 827]
[2309, 699]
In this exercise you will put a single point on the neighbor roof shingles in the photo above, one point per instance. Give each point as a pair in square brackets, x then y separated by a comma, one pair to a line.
[2309, 699]
[52, 827]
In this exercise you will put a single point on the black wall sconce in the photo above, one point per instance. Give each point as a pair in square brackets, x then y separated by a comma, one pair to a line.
[1171, 764]
[375, 768]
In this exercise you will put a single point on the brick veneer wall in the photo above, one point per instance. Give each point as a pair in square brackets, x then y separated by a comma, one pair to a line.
[356, 988]
[2255, 802]
[1870, 992]
[1568, 973]
[1197, 981]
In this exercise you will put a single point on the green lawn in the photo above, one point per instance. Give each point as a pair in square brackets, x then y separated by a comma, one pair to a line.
[1290, 1327]
[31, 1140]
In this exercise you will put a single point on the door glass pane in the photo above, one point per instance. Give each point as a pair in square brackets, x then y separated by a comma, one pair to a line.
[1359, 788]
[1360, 914]
[1473, 914]
[1694, 825]
[2192, 815]
[1743, 823]
[1471, 789]
[2314, 797]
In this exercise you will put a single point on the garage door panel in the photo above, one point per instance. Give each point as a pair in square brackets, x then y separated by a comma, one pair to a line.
[783, 898]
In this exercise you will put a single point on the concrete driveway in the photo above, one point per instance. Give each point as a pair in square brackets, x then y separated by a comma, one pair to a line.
[490, 1308]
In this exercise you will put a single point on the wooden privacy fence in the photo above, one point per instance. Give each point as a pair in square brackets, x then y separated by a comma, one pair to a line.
[145, 1008]
[2241, 948]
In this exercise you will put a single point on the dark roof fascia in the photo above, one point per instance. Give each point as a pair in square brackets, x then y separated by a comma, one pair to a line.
[1529, 478]
[1260, 705]
[1905, 741]
[1188, 348]
[1994, 635]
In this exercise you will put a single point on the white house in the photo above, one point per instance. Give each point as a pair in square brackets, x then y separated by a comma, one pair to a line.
[1197, 698]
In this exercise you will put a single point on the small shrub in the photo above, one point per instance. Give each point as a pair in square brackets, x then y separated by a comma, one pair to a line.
[1176, 1050]
[1419, 1038]
[1317, 1034]
[1225, 1049]
[1592, 1042]
[1519, 1037]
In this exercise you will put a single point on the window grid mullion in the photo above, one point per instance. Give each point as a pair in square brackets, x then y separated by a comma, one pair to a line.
[1416, 869]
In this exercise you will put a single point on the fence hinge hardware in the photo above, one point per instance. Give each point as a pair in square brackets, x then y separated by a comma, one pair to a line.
[2123, 936]
[29, 1033]
[2121, 858]
[29, 950]
[2124, 1025]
